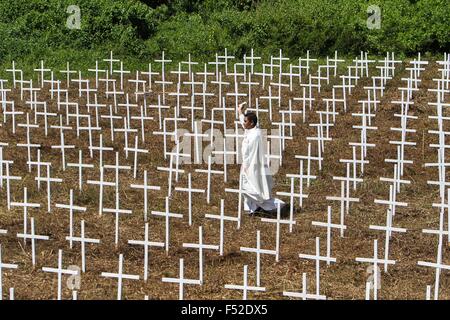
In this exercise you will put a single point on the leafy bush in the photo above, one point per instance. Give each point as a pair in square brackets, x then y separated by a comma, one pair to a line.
[139, 30]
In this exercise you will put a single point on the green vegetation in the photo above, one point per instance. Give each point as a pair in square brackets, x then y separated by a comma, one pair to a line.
[138, 31]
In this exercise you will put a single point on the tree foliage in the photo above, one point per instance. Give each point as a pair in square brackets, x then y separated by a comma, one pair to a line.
[140, 30]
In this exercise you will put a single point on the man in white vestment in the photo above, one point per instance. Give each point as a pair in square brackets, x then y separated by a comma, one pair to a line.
[256, 177]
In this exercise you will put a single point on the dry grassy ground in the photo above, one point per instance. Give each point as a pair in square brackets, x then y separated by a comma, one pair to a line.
[342, 280]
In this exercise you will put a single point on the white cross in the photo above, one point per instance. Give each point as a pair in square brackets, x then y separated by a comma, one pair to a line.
[178, 94]
[147, 244]
[89, 128]
[145, 187]
[317, 257]
[308, 60]
[33, 237]
[114, 93]
[159, 106]
[120, 276]
[60, 271]
[42, 70]
[222, 219]
[62, 146]
[236, 95]
[128, 105]
[347, 179]
[117, 211]
[245, 287]
[328, 225]
[375, 262]
[237, 136]
[13, 114]
[304, 294]
[335, 60]
[13, 70]
[167, 214]
[217, 63]
[101, 183]
[48, 180]
[2, 144]
[292, 194]
[83, 240]
[220, 83]
[71, 208]
[278, 221]
[192, 106]
[111, 118]
[388, 229]
[80, 165]
[150, 74]
[198, 146]
[263, 74]
[209, 172]
[226, 57]
[100, 149]
[136, 150]
[111, 61]
[9, 177]
[4, 266]
[117, 167]
[45, 114]
[270, 98]
[203, 94]
[25, 205]
[125, 131]
[142, 118]
[97, 71]
[163, 81]
[179, 73]
[392, 202]
[345, 200]
[258, 252]
[52, 82]
[225, 154]
[190, 190]
[96, 106]
[68, 72]
[137, 82]
[170, 169]
[308, 165]
[301, 177]
[121, 71]
[181, 280]
[200, 246]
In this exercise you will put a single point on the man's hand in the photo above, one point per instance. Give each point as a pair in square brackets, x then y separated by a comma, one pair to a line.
[241, 107]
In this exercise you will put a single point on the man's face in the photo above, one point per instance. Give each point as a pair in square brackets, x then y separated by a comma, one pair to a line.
[247, 123]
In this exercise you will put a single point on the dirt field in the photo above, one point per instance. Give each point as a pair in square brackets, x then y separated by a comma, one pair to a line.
[342, 280]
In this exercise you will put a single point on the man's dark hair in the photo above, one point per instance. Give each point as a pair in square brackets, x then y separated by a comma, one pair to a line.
[252, 117]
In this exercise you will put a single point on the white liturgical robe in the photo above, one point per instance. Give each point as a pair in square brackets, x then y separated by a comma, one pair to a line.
[257, 180]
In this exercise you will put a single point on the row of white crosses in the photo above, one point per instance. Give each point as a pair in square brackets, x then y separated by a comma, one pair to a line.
[374, 93]
[301, 176]
[290, 222]
[440, 106]
[176, 155]
[344, 199]
[323, 116]
[394, 183]
[127, 124]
